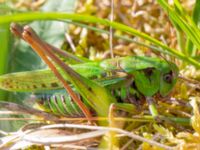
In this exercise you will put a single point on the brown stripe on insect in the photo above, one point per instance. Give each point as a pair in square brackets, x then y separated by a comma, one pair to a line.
[54, 84]
[28, 86]
[6, 83]
[10, 86]
[43, 85]
[35, 86]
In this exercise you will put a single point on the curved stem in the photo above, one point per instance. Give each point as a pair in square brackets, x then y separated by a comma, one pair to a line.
[91, 19]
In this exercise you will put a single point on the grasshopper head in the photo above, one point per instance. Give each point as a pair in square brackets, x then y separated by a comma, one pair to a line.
[168, 79]
[147, 81]
[160, 79]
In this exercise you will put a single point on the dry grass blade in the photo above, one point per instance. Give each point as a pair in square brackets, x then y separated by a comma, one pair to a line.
[56, 134]
[38, 136]
[107, 129]
[28, 110]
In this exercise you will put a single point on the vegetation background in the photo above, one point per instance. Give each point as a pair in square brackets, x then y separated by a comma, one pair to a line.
[175, 24]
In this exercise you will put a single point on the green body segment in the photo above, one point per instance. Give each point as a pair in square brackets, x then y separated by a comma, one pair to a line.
[147, 84]
[144, 76]
[59, 104]
[40, 80]
[149, 75]
[133, 63]
[29, 81]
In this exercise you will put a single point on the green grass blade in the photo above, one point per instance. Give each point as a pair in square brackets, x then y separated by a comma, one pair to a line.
[191, 48]
[91, 19]
[4, 51]
[183, 20]
[180, 33]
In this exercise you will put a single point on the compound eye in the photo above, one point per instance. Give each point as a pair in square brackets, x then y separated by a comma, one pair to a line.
[148, 71]
[168, 77]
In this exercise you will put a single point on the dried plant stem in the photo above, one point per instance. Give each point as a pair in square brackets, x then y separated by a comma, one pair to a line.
[28, 110]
